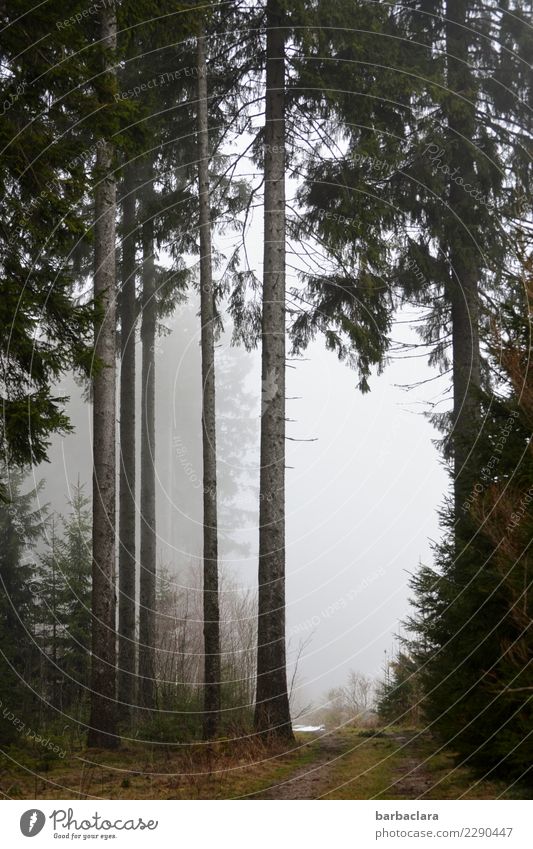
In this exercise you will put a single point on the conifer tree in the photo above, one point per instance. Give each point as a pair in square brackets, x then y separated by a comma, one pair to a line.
[21, 526]
[209, 451]
[103, 718]
[127, 491]
[272, 714]
[147, 592]
[46, 325]
[65, 606]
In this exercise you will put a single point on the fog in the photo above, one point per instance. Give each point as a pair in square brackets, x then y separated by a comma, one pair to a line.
[363, 480]
[362, 489]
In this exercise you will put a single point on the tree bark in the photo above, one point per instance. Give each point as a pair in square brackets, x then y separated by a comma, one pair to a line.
[211, 714]
[55, 670]
[102, 722]
[272, 714]
[127, 506]
[463, 255]
[148, 519]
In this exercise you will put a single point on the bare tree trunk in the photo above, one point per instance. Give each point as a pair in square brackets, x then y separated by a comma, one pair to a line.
[272, 712]
[210, 589]
[102, 723]
[54, 620]
[463, 256]
[148, 526]
[126, 605]
[466, 376]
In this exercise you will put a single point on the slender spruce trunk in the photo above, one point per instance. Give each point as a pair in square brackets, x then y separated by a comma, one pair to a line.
[272, 714]
[102, 722]
[463, 256]
[148, 519]
[54, 620]
[211, 714]
[127, 506]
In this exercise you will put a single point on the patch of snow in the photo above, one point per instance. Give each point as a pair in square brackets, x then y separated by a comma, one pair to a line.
[309, 728]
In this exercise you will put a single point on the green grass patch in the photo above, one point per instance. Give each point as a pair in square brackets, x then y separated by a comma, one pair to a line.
[217, 771]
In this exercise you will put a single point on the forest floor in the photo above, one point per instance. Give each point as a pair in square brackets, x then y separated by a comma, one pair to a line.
[347, 764]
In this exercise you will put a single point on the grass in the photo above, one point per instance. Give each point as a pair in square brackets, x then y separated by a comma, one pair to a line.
[363, 764]
[453, 782]
[366, 767]
[218, 771]
[404, 764]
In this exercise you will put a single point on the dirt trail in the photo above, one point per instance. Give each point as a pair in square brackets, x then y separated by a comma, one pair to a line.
[311, 781]
[409, 777]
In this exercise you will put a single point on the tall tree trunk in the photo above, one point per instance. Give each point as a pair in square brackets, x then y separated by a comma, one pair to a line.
[148, 527]
[102, 723]
[55, 670]
[210, 589]
[127, 507]
[272, 712]
[463, 254]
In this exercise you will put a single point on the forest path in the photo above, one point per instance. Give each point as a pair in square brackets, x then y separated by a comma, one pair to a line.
[413, 777]
[311, 781]
[347, 766]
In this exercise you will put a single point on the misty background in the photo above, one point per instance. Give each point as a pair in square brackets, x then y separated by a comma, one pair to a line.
[364, 479]
[361, 498]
